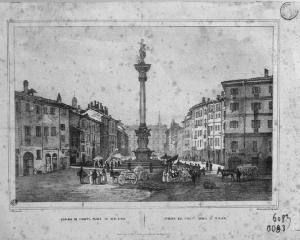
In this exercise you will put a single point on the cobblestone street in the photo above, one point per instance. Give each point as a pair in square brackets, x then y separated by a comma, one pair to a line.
[64, 185]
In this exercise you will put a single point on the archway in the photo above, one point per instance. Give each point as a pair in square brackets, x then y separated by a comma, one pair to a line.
[54, 161]
[28, 164]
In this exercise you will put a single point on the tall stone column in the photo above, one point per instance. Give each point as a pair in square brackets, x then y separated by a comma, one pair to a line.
[142, 153]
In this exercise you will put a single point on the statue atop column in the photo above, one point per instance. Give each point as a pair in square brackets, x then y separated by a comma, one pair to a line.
[142, 51]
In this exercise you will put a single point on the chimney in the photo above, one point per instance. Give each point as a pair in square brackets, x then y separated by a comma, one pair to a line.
[203, 99]
[25, 85]
[79, 107]
[89, 106]
[266, 72]
[101, 107]
[97, 105]
[105, 110]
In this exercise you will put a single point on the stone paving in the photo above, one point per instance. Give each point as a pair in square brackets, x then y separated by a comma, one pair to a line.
[64, 185]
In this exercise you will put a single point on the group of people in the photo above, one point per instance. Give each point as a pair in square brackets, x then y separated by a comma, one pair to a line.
[194, 171]
[113, 164]
[94, 176]
[209, 166]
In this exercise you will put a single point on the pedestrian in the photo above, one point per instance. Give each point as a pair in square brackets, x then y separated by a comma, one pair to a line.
[210, 166]
[164, 176]
[207, 165]
[94, 176]
[104, 177]
[107, 166]
[238, 175]
[91, 176]
[150, 167]
[80, 173]
[129, 166]
[193, 177]
[168, 176]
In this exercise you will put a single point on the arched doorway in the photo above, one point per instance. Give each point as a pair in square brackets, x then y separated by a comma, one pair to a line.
[269, 165]
[48, 162]
[28, 164]
[54, 161]
[233, 162]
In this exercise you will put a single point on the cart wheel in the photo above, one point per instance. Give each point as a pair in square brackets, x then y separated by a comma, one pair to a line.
[121, 180]
[134, 180]
[143, 176]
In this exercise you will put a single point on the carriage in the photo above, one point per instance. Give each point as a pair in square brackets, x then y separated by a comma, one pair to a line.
[127, 176]
[132, 177]
[248, 170]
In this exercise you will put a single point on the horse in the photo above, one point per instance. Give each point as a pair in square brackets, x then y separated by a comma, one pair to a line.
[226, 173]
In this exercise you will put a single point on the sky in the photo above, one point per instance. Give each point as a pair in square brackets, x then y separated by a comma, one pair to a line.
[96, 63]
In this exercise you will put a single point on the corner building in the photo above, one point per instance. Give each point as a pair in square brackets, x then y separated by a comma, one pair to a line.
[249, 122]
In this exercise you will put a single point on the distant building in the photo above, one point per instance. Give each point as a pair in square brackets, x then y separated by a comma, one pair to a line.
[172, 138]
[249, 114]
[42, 132]
[122, 139]
[157, 140]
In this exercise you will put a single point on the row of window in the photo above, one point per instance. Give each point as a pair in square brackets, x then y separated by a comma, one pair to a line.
[211, 142]
[38, 130]
[216, 128]
[255, 90]
[38, 109]
[211, 108]
[198, 133]
[234, 146]
[254, 124]
[255, 106]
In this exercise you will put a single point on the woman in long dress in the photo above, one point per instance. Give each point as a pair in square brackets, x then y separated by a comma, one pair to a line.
[168, 176]
[164, 176]
[104, 177]
[91, 177]
[99, 177]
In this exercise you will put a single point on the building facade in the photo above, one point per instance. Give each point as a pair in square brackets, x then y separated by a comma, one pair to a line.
[249, 115]
[204, 131]
[187, 136]
[41, 133]
[51, 135]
